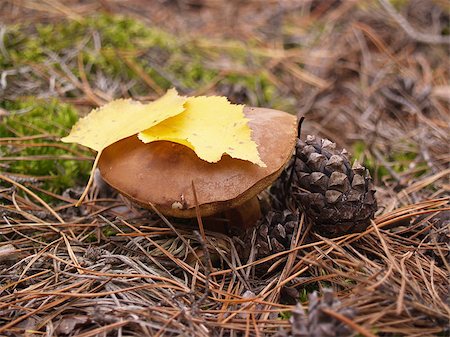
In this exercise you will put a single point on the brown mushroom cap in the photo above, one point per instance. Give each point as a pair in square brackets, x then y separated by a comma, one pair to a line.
[162, 172]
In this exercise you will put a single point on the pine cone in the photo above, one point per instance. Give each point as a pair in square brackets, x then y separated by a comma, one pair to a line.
[273, 234]
[336, 197]
[317, 323]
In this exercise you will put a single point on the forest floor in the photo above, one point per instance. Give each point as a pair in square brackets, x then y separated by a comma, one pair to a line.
[372, 76]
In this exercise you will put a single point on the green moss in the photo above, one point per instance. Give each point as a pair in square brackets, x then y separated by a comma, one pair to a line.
[109, 231]
[103, 41]
[91, 238]
[400, 161]
[107, 44]
[31, 117]
[304, 295]
[190, 71]
[285, 315]
[113, 32]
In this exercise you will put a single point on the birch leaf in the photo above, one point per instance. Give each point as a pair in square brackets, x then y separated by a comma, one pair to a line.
[211, 126]
[122, 118]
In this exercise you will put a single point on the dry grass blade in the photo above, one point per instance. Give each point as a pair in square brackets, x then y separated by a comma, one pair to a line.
[32, 194]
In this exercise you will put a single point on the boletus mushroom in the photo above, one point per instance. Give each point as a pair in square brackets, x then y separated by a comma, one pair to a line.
[163, 173]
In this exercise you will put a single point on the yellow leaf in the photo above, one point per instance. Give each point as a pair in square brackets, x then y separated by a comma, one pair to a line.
[122, 118]
[211, 126]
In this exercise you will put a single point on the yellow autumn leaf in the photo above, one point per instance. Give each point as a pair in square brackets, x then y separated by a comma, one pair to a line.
[211, 126]
[122, 118]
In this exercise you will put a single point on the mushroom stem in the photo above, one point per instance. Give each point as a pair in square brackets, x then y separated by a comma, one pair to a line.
[246, 215]
[241, 217]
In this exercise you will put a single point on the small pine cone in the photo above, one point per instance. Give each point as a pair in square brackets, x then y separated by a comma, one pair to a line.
[336, 197]
[273, 233]
[317, 323]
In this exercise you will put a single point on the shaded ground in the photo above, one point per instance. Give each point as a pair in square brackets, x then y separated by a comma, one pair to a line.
[359, 73]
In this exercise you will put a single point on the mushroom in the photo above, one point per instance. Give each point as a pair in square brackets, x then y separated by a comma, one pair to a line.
[163, 173]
